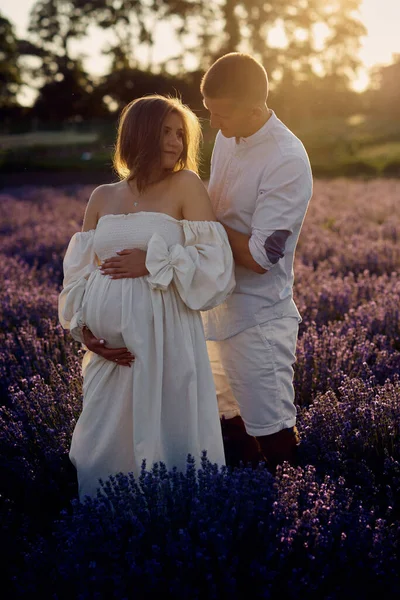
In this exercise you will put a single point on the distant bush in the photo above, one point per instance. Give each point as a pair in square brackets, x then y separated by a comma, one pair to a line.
[54, 159]
[353, 169]
[392, 169]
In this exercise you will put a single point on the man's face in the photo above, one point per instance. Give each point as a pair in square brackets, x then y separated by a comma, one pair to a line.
[231, 117]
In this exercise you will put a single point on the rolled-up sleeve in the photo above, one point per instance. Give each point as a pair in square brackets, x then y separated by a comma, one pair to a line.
[281, 206]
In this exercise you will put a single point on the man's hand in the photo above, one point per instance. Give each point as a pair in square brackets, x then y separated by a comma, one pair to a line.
[121, 356]
[128, 263]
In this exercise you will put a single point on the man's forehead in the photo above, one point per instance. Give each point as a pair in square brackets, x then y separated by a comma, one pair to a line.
[219, 104]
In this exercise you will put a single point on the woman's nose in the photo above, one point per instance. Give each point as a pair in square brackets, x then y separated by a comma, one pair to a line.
[174, 141]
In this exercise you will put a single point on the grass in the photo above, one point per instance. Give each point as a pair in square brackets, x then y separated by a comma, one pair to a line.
[47, 139]
[78, 160]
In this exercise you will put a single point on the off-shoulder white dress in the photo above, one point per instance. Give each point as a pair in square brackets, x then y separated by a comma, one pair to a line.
[164, 406]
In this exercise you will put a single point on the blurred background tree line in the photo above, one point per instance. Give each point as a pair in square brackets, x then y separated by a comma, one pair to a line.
[343, 130]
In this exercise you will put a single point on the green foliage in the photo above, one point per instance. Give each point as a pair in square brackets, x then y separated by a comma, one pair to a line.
[362, 146]
[204, 31]
[253, 21]
[392, 169]
[57, 159]
[122, 85]
[385, 92]
[10, 72]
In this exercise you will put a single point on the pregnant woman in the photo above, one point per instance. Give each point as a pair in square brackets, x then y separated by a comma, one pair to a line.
[164, 406]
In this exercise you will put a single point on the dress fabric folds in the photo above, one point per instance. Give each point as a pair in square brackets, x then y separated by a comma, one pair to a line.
[164, 406]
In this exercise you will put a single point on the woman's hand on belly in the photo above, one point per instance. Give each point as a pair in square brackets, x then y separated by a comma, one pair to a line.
[121, 356]
[128, 264]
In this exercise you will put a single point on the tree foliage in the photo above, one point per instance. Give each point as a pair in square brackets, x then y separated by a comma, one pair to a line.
[300, 63]
[385, 92]
[70, 96]
[206, 30]
[53, 25]
[10, 72]
[315, 36]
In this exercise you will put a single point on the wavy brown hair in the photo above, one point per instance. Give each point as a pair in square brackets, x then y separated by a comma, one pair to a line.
[138, 147]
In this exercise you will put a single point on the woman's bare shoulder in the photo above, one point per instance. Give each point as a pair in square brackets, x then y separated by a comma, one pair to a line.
[103, 191]
[186, 176]
[96, 206]
[188, 181]
[195, 201]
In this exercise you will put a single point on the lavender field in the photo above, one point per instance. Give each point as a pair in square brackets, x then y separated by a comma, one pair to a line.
[329, 529]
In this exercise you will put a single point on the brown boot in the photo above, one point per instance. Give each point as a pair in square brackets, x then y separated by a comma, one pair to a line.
[238, 444]
[279, 447]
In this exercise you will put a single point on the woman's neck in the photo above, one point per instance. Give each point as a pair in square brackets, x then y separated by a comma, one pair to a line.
[156, 177]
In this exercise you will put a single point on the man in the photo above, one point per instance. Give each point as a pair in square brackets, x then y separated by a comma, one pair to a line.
[260, 187]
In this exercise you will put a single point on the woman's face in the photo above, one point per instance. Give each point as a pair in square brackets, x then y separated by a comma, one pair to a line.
[171, 140]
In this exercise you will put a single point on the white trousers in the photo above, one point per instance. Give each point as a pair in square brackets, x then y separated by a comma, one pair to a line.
[253, 375]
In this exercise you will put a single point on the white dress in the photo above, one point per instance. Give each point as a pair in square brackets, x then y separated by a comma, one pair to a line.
[165, 405]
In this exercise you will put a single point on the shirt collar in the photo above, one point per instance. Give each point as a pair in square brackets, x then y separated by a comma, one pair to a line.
[251, 140]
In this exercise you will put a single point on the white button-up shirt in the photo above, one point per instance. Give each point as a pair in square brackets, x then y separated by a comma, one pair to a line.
[261, 186]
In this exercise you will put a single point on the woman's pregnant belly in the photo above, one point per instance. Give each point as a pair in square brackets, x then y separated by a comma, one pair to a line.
[102, 309]
[118, 310]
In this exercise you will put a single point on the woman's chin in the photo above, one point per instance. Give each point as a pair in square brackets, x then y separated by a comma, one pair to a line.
[169, 166]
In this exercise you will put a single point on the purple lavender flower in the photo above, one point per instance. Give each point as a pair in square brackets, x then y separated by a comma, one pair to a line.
[327, 529]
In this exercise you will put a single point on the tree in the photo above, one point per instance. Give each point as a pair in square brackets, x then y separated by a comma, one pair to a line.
[198, 26]
[65, 90]
[70, 96]
[123, 85]
[53, 25]
[384, 96]
[130, 23]
[250, 26]
[10, 72]
[205, 30]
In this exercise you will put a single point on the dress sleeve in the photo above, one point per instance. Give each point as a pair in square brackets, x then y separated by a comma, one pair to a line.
[202, 269]
[79, 262]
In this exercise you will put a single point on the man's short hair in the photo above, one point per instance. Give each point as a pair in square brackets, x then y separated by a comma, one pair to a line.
[238, 76]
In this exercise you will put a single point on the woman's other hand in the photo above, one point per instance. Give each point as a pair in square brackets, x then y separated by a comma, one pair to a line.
[128, 263]
[121, 356]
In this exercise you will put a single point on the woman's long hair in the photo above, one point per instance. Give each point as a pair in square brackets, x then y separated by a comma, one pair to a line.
[138, 147]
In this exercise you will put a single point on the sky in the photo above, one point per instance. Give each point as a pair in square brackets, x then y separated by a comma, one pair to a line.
[380, 17]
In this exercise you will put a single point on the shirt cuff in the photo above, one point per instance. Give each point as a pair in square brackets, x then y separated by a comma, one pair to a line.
[268, 249]
[257, 250]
